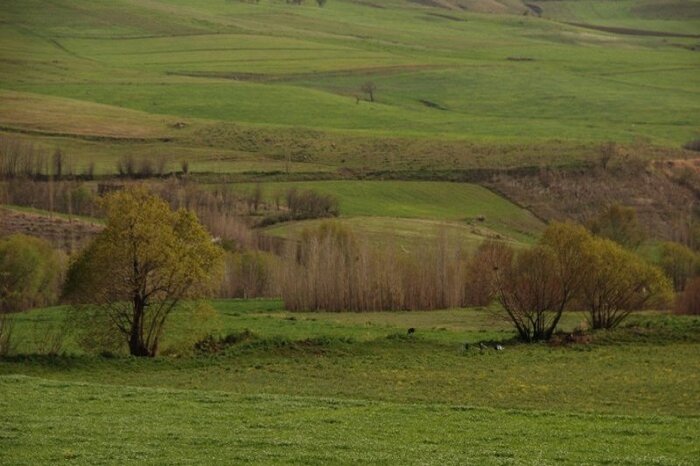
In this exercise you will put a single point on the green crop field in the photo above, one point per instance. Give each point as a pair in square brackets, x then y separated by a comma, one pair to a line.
[347, 387]
[244, 79]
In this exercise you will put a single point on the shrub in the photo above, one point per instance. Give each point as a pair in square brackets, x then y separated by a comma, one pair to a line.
[679, 262]
[689, 301]
[308, 204]
[31, 273]
[693, 145]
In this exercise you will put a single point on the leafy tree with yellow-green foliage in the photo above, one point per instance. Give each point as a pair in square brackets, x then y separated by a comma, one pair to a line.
[147, 260]
[618, 283]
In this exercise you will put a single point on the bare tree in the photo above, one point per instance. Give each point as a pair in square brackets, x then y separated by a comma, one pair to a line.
[369, 88]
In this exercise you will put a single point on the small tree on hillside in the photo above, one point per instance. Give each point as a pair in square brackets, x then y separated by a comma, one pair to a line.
[146, 260]
[619, 283]
[369, 88]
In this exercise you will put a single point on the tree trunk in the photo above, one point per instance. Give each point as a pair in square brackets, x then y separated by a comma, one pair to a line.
[137, 347]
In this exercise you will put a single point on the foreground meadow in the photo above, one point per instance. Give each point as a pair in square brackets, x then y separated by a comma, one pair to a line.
[353, 387]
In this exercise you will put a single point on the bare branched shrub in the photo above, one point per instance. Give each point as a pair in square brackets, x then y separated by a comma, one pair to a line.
[307, 204]
[161, 165]
[65, 196]
[534, 286]
[146, 168]
[126, 165]
[89, 172]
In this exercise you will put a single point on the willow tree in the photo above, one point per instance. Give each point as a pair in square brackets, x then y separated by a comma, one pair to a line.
[619, 283]
[535, 286]
[147, 260]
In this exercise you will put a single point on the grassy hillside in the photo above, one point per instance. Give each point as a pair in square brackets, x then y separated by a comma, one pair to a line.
[470, 80]
[638, 16]
[407, 212]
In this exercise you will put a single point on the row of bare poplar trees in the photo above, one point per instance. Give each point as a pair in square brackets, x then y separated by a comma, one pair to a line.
[331, 269]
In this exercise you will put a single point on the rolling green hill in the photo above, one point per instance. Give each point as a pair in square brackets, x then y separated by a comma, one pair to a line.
[237, 75]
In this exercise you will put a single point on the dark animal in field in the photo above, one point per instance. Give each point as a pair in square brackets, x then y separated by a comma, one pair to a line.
[411, 331]
[466, 346]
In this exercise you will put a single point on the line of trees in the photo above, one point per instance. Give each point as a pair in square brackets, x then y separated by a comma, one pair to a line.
[571, 269]
[154, 253]
[21, 159]
[330, 269]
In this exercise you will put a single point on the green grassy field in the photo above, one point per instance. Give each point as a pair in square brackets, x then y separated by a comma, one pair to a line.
[465, 89]
[114, 425]
[408, 212]
[347, 387]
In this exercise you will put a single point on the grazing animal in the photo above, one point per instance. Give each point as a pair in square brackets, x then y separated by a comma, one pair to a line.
[411, 331]
[498, 348]
[482, 346]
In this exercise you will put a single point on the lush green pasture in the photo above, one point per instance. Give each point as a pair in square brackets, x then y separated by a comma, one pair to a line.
[46, 422]
[441, 75]
[649, 368]
[349, 387]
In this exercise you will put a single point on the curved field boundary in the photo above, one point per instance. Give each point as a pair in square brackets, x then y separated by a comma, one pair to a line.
[633, 32]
